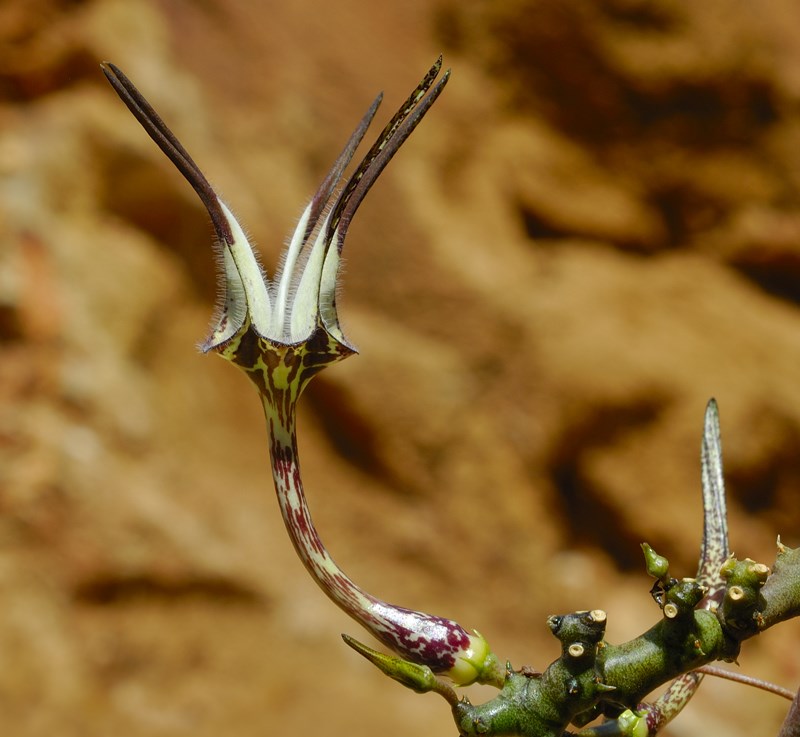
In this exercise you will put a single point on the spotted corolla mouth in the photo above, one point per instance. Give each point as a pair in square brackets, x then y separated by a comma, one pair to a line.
[288, 308]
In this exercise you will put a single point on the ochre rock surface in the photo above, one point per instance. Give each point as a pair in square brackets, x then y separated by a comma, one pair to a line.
[596, 229]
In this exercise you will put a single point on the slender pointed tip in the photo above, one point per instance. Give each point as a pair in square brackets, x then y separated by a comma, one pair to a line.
[433, 72]
[360, 647]
[436, 67]
[712, 417]
[116, 77]
[352, 642]
[110, 69]
[370, 114]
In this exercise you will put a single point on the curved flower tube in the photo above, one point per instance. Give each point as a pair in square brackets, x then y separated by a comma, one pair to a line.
[282, 332]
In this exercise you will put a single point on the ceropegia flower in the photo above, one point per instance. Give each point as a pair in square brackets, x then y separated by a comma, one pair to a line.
[283, 331]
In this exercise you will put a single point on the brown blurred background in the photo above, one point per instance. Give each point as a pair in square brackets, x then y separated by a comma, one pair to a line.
[595, 230]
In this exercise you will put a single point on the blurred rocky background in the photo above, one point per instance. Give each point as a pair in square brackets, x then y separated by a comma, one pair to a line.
[596, 229]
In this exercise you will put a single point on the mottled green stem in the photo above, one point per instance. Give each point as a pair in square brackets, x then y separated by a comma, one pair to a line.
[686, 638]
[542, 705]
[781, 592]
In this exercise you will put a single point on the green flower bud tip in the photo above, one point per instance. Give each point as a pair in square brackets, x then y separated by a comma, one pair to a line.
[657, 565]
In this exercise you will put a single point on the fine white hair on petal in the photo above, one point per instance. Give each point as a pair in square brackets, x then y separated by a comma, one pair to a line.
[230, 310]
[251, 274]
[230, 303]
[305, 298]
[282, 286]
[330, 286]
[302, 294]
